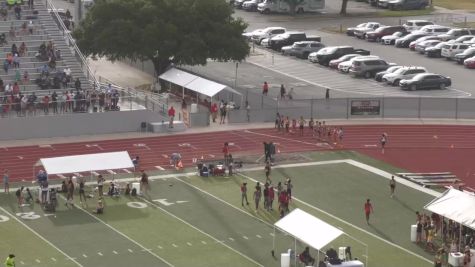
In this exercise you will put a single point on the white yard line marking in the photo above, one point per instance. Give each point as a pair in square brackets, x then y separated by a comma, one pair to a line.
[131, 251]
[115, 252]
[127, 171]
[22, 262]
[258, 236]
[189, 244]
[84, 255]
[245, 237]
[159, 247]
[174, 245]
[231, 239]
[38, 261]
[199, 230]
[160, 168]
[203, 242]
[40, 236]
[100, 254]
[271, 234]
[122, 234]
[53, 259]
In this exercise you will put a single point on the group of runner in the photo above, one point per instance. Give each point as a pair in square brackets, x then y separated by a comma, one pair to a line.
[317, 128]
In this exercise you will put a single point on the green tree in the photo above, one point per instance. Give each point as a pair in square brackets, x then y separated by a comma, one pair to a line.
[293, 5]
[344, 4]
[163, 31]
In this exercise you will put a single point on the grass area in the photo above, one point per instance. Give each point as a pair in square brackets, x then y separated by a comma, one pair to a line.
[405, 13]
[199, 221]
[455, 4]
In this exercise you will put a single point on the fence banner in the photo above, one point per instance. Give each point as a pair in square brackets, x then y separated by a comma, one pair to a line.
[365, 107]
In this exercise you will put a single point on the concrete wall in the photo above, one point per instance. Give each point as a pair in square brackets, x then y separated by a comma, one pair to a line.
[75, 124]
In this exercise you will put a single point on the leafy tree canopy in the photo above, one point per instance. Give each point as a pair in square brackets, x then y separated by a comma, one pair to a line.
[164, 31]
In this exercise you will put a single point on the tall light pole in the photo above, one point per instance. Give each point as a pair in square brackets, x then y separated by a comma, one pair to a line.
[235, 78]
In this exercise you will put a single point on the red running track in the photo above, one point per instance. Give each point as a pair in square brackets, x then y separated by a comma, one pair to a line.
[417, 148]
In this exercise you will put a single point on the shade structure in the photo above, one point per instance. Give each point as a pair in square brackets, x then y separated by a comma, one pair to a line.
[178, 77]
[87, 162]
[195, 83]
[455, 205]
[308, 229]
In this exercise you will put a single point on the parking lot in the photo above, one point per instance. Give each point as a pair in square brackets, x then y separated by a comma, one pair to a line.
[462, 78]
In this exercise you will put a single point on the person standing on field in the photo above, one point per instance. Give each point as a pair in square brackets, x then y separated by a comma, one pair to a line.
[392, 185]
[265, 88]
[6, 183]
[257, 197]
[368, 209]
[244, 194]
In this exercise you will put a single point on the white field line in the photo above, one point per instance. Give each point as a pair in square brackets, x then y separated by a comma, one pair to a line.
[122, 234]
[41, 237]
[201, 231]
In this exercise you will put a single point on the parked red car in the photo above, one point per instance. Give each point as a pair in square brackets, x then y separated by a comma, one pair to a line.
[469, 62]
[334, 63]
[380, 32]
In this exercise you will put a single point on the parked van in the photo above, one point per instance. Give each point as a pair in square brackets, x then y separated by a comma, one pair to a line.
[416, 24]
[368, 67]
[281, 6]
[456, 33]
[450, 50]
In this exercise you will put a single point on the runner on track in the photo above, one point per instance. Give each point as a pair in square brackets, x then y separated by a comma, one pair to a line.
[392, 185]
[383, 140]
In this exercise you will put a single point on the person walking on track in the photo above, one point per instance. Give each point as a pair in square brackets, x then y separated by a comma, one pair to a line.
[368, 209]
[383, 141]
[392, 185]
[265, 88]
[244, 194]
[282, 92]
[10, 261]
[144, 184]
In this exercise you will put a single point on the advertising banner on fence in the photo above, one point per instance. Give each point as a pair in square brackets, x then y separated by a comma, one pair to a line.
[365, 107]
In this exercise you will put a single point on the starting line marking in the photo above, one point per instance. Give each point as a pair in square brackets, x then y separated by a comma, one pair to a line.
[160, 168]
[111, 172]
[115, 252]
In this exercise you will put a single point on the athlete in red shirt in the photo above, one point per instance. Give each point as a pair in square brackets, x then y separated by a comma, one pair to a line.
[368, 209]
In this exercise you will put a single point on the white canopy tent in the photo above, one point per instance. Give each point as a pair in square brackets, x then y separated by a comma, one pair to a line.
[86, 163]
[455, 205]
[309, 230]
[195, 83]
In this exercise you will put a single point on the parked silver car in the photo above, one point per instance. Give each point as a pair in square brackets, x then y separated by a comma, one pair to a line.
[302, 49]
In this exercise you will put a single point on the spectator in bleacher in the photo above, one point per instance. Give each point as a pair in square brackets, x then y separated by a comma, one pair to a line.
[31, 4]
[50, 46]
[23, 104]
[68, 14]
[102, 97]
[12, 32]
[77, 84]
[52, 63]
[2, 85]
[54, 100]
[16, 61]
[46, 104]
[8, 88]
[62, 102]
[31, 27]
[15, 89]
[26, 77]
[31, 102]
[10, 59]
[44, 70]
[3, 13]
[14, 49]
[22, 51]
[93, 99]
[57, 54]
[24, 28]
[17, 10]
[69, 101]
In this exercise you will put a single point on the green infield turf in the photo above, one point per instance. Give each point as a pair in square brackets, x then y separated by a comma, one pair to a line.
[199, 221]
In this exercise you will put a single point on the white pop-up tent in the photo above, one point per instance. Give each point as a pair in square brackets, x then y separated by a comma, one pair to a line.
[195, 83]
[309, 230]
[455, 205]
[86, 163]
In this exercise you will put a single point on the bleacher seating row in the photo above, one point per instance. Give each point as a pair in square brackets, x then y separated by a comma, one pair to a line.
[43, 29]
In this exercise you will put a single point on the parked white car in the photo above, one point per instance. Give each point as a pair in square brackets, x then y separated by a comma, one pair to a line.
[391, 39]
[248, 35]
[267, 33]
[470, 41]
[402, 73]
[346, 65]
[433, 30]
[416, 24]
[450, 50]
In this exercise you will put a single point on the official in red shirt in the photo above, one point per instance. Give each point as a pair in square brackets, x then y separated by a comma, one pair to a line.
[171, 115]
[368, 209]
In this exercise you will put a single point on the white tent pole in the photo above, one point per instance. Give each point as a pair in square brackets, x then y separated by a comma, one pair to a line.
[295, 251]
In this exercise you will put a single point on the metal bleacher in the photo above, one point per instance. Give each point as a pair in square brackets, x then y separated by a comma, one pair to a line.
[45, 29]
